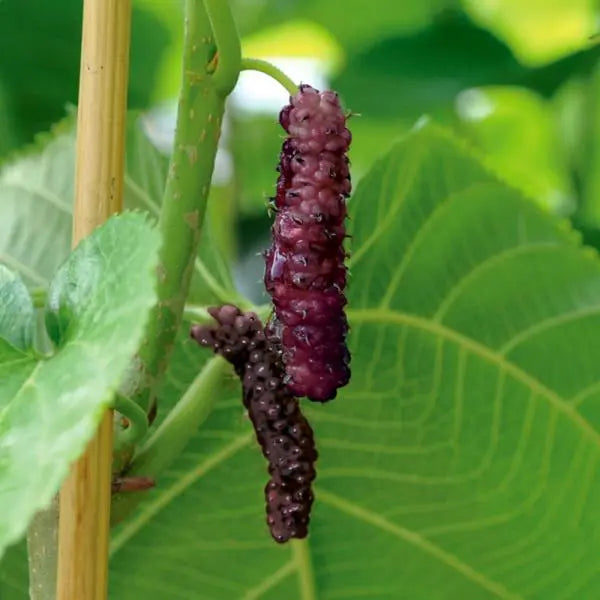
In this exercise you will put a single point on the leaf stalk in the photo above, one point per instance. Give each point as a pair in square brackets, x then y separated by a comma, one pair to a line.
[263, 66]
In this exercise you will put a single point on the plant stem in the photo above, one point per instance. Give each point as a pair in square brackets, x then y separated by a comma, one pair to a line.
[199, 314]
[138, 420]
[174, 433]
[222, 294]
[38, 297]
[85, 495]
[228, 45]
[199, 117]
[42, 550]
[256, 64]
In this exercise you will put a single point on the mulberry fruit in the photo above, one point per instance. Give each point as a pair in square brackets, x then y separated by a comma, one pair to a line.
[305, 272]
[283, 433]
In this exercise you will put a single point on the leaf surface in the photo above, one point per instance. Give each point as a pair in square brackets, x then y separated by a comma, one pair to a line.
[461, 458]
[36, 196]
[50, 408]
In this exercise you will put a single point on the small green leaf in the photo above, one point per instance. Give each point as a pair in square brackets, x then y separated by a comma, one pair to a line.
[17, 314]
[99, 303]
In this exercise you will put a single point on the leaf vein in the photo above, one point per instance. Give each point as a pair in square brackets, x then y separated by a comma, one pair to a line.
[413, 538]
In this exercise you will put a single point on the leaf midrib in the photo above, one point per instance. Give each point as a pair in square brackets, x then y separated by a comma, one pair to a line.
[408, 179]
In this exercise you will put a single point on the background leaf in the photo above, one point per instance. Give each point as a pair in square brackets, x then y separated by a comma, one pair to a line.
[36, 192]
[517, 132]
[39, 60]
[106, 287]
[425, 70]
[390, 17]
[537, 30]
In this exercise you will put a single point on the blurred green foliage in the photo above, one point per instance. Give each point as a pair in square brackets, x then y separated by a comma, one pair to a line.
[391, 65]
[39, 63]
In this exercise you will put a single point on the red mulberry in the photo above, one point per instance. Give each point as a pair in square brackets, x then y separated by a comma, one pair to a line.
[305, 272]
[283, 433]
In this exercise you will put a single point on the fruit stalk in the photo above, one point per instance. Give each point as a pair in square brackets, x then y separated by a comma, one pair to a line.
[199, 117]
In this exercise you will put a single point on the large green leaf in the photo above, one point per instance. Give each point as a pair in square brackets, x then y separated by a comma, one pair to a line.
[13, 574]
[461, 459]
[98, 302]
[40, 45]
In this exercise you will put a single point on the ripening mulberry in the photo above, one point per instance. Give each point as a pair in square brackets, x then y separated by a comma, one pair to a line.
[305, 272]
[283, 433]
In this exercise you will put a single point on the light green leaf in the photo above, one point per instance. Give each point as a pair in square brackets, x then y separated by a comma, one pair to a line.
[100, 299]
[424, 71]
[461, 459]
[17, 314]
[537, 30]
[36, 196]
[362, 26]
[579, 113]
[516, 129]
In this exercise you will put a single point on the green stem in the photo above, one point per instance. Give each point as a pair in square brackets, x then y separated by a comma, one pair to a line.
[42, 552]
[222, 294]
[199, 314]
[228, 45]
[38, 297]
[174, 433]
[256, 64]
[138, 421]
[199, 117]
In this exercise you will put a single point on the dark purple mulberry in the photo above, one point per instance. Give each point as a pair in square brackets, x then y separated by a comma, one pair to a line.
[283, 433]
[305, 272]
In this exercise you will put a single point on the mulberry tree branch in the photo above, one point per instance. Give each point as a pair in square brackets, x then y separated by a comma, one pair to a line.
[199, 117]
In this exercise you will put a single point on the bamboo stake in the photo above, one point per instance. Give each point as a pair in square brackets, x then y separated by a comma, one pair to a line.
[85, 495]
